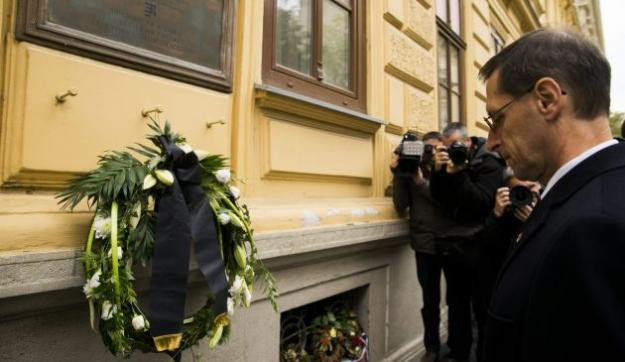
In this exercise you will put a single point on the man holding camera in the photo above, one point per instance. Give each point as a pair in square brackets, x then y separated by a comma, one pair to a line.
[437, 239]
[560, 296]
[411, 168]
[465, 179]
[514, 202]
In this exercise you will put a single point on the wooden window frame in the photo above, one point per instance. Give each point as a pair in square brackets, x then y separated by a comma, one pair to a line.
[455, 40]
[312, 86]
[32, 26]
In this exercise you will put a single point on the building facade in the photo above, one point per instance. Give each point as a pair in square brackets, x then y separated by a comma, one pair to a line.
[307, 98]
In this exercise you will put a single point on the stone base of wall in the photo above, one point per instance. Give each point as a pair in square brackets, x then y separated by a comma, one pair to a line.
[43, 315]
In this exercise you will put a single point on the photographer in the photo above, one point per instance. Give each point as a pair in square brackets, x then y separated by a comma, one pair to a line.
[466, 175]
[465, 178]
[513, 205]
[430, 229]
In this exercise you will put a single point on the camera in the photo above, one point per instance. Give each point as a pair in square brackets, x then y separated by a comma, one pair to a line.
[410, 152]
[520, 196]
[458, 153]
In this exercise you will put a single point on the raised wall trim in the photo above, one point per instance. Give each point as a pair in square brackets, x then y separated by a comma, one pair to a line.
[271, 97]
[43, 271]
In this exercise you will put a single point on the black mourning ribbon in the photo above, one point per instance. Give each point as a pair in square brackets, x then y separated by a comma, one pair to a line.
[183, 214]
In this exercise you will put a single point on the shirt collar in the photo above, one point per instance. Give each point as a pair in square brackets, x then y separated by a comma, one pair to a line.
[564, 169]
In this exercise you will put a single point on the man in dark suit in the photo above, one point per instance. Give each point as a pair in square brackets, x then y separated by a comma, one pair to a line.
[560, 295]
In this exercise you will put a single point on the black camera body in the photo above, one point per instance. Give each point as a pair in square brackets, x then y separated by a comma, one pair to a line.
[520, 196]
[458, 153]
[410, 152]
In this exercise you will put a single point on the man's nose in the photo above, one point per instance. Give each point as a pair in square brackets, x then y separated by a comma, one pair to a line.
[493, 142]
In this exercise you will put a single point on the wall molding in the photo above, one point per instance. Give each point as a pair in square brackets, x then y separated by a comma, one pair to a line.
[26, 273]
[274, 98]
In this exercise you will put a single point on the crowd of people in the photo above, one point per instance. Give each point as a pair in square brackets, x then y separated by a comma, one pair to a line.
[527, 226]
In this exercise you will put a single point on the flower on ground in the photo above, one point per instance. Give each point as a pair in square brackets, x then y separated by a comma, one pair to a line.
[223, 175]
[102, 226]
[108, 310]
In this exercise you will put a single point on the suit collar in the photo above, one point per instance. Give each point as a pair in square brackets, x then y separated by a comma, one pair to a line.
[601, 162]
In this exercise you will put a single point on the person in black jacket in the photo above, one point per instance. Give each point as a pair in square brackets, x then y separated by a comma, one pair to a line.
[430, 231]
[494, 240]
[560, 295]
[466, 194]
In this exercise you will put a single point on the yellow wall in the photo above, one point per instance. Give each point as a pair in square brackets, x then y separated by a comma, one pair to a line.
[294, 158]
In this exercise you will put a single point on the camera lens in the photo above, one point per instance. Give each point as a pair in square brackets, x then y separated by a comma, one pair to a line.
[520, 196]
[458, 153]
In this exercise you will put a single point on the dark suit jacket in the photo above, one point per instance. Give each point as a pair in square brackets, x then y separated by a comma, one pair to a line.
[560, 295]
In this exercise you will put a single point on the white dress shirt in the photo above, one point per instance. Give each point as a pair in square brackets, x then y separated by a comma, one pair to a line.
[574, 162]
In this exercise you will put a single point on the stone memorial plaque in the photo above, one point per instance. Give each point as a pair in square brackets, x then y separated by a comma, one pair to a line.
[184, 39]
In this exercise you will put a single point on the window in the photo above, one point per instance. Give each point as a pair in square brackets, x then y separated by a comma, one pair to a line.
[190, 40]
[450, 47]
[316, 48]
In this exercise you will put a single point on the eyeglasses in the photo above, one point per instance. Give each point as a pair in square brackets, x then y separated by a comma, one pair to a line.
[493, 121]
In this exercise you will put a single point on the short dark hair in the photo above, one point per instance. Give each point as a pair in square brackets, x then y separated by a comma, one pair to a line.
[573, 61]
[454, 127]
[623, 129]
[433, 136]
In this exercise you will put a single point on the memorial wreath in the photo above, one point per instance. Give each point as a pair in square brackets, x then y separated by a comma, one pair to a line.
[153, 211]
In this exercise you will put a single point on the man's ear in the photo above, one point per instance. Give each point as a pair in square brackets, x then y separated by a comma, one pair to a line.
[548, 98]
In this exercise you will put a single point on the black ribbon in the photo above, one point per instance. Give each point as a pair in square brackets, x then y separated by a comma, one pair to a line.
[183, 214]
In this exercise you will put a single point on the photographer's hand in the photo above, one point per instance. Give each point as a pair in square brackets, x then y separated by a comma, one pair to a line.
[418, 177]
[502, 200]
[394, 161]
[441, 158]
[523, 213]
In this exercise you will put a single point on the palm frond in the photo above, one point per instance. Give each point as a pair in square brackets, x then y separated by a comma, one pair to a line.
[118, 177]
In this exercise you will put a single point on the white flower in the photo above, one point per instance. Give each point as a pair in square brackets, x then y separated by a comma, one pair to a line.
[235, 220]
[185, 147]
[164, 176]
[120, 253]
[92, 283]
[224, 218]
[154, 161]
[149, 181]
[230, 307]
[200, 154]
[249, 272]
[247, 297]
[223, 175]
[102, 226]
[108, 310]
[138, 322]
[237, 286]
[136, 215]
[235, 192]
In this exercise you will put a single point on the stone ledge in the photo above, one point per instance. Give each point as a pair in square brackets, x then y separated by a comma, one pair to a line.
[24, 273]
